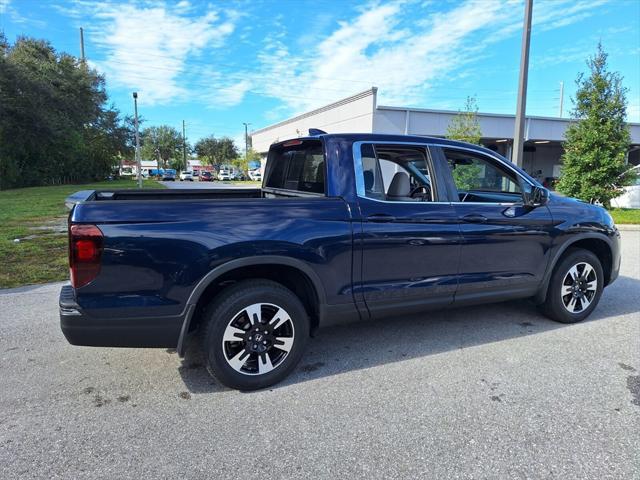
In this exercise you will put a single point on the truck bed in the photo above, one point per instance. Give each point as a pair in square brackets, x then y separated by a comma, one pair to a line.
[168, 194]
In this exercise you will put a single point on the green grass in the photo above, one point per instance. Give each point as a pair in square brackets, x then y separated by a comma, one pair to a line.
[625, 215]
[41, 254]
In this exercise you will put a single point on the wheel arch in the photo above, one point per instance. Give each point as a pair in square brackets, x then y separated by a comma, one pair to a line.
[290, 272]
[598, 244]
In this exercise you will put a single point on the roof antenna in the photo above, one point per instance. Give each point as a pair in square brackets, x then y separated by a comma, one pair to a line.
[316, 131]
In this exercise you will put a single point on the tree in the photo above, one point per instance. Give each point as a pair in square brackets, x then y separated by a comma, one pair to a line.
[55, 125]
[464, 126]
[216, 152]
[245, 162]
[253, 159]
[594, 159]
[164, 144]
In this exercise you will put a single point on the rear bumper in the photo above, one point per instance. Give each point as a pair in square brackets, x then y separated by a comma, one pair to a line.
[81, 329]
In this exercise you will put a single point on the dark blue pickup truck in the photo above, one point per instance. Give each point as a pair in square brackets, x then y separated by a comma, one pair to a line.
[345, 226]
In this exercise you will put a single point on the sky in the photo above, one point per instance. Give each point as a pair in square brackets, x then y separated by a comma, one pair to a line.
[218, 64]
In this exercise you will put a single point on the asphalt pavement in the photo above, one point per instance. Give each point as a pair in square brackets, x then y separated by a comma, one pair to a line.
[495, 391]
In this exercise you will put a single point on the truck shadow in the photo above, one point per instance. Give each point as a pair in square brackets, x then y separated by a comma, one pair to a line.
[340, 349]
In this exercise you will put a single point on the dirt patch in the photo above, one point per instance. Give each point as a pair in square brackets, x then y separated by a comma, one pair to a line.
[626, 367]
[100, 401]
[633, 385]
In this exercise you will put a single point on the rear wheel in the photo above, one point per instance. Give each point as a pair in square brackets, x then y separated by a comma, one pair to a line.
[575, 287]
[255, 335]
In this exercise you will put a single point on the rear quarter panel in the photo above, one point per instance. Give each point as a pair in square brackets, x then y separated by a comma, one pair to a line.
[155, 253]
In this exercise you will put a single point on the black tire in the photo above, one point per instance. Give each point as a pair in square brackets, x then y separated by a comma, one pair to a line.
[555, 305]
[230, 311]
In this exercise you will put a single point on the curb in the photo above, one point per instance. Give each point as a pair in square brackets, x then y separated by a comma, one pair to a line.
[628, 227]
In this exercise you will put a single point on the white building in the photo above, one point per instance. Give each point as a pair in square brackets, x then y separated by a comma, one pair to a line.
[360, 113]
[129, 168]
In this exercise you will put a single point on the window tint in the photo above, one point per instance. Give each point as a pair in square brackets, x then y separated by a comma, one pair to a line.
[394, 174]
[299, 166]
[478, 179]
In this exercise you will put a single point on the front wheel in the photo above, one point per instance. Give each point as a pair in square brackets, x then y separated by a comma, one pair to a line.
[256, 334]
[575, 287]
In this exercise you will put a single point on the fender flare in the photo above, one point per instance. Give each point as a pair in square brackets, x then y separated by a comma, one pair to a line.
[542, 291]
[220, 270]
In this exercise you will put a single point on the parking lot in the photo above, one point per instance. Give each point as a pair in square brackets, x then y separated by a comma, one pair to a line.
[495, 391]
[177, 185]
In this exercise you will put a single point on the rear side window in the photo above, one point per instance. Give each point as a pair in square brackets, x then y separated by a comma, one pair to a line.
[297, 165]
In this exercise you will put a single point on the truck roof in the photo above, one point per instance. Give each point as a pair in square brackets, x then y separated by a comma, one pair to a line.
[385, 137]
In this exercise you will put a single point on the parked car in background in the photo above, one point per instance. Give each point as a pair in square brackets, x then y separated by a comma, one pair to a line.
[239, 176]
[169, 175]
[631, 196]
[126, 172]
[186, 176]
[345, 227]
[224, 174]
[206, 176]
[255, 175]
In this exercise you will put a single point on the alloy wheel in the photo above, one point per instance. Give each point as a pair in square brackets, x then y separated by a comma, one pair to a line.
[579, 287]
[258, 339]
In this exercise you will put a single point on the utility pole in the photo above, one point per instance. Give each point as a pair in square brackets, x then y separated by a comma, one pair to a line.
[184, 148]
[82, 57]
[518, 134]
[561, 98]
[135, 118]
[246, 143]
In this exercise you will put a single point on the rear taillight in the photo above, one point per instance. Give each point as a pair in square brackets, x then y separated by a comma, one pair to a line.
[85, 250]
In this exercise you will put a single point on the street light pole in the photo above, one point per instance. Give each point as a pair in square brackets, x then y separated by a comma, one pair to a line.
[138, 162]
[184, 148]
[82, 57]
[246, 141]
[246, 145]
[518, 134]
[561, 98]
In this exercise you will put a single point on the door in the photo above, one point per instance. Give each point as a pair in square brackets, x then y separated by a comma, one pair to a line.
[410, 239]
[505, 245]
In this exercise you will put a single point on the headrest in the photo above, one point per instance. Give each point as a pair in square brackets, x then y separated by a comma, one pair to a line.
[400, 185]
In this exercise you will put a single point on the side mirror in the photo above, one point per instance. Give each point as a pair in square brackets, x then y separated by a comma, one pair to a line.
[535, 196]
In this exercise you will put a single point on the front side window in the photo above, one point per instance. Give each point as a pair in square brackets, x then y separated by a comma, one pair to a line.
[479, 179]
